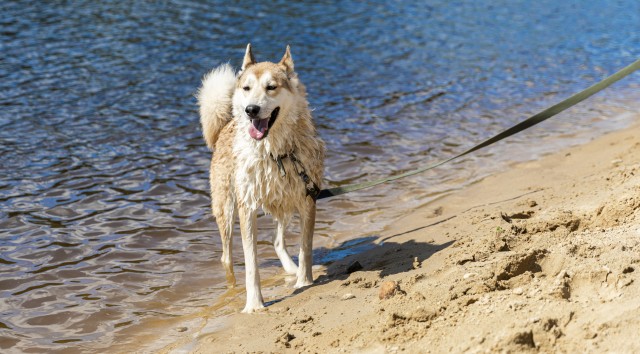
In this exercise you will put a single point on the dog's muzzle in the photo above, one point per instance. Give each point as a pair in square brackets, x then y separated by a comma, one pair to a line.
[259, 128]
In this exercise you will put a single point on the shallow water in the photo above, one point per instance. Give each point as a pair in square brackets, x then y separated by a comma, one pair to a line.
[104, 217]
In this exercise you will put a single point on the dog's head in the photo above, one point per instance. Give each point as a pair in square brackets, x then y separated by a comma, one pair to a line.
[264, 92]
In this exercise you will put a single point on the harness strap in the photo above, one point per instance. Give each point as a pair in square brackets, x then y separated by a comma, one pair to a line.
[311, 187]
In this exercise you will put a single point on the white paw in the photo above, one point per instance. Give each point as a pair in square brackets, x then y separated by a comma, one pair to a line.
[301, 283]
[249, 308]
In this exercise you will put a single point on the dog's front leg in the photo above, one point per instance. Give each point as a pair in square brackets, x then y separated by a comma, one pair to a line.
[280, 246]
[305, 260]
[248, 228]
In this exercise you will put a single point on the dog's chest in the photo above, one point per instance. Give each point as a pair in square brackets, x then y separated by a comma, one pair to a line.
[261, 183]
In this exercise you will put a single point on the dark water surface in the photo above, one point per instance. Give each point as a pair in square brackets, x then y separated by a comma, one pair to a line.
[104, 218]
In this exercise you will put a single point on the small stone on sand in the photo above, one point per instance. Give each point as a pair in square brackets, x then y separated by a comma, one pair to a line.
[388, 289]
[347, 296]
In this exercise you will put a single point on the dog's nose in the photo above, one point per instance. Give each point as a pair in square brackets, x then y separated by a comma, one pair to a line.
[252, 110]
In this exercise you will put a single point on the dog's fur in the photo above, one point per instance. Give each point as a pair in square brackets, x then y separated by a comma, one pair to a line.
[244, 173]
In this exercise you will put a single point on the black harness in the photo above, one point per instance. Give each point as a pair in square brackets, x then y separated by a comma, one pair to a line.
[310, 186]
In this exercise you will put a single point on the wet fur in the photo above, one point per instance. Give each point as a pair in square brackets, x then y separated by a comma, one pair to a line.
[244, 177]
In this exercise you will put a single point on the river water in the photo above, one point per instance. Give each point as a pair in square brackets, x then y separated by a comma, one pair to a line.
[106, 235]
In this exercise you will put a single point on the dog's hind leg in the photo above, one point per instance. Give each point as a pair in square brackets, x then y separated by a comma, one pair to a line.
[280, 245]
[225, 219]
[308, 220]
[248, 228]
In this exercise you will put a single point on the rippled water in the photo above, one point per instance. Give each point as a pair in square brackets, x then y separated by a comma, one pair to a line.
[104, 220]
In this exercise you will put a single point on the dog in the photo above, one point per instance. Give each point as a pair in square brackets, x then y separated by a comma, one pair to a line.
[266, 154]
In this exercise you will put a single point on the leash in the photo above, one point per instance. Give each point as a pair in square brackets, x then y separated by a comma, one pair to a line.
[527, 123]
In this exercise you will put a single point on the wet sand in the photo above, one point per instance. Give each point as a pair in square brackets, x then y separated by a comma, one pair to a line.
[542, 257]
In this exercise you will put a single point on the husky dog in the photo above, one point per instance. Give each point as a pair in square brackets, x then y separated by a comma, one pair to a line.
[266, 154]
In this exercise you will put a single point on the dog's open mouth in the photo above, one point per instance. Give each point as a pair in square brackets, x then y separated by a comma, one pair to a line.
[260, 127]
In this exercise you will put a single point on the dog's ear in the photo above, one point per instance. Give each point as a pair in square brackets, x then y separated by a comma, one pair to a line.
[248, 58]
[287, 62]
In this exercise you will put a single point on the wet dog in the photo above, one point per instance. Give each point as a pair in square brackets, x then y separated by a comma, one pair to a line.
[266, 154]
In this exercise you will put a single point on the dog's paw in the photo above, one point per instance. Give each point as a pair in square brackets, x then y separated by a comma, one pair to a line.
[301, 283]
[252, 308]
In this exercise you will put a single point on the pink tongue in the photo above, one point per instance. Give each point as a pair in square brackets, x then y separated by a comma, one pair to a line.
[258, 128]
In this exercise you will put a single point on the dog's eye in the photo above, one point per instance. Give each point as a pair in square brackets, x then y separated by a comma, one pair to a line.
[246, 88]
[271, 88]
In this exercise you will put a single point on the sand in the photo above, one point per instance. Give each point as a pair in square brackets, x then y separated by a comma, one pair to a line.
[544, 257]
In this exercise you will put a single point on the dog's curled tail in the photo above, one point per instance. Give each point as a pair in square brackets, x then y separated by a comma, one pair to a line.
[214, 98]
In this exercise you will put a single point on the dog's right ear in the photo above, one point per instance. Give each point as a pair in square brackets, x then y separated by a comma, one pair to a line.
[248, 58]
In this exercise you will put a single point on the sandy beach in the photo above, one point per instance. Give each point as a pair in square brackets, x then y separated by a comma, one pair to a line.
[542, 257]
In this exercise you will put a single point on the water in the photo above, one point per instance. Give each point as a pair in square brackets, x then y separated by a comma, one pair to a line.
[106, 237]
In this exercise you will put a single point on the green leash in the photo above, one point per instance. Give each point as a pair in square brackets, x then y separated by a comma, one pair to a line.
[529, 122]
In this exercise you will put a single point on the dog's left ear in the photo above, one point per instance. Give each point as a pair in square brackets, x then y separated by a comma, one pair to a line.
[287, 62]
[249, 59]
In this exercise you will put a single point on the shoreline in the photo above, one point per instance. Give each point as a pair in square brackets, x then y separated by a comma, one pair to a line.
[538, 257]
